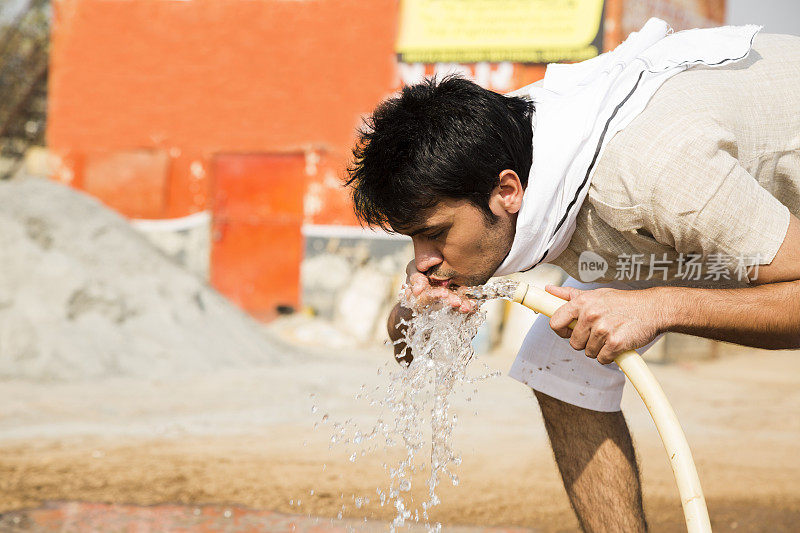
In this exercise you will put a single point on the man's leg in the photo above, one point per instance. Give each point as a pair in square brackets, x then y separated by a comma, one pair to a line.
[597, 462]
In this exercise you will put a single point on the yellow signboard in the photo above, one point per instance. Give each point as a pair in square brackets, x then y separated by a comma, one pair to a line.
[526, 31]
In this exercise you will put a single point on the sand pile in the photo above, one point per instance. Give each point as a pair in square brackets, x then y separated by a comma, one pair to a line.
[83, 295]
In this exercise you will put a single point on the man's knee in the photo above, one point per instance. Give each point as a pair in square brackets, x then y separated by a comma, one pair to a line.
[581, 428]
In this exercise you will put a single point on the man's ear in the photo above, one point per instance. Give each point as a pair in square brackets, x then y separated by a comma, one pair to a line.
[508, 193]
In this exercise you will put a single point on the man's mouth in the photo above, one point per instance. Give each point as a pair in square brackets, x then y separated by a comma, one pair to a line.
[439, 282]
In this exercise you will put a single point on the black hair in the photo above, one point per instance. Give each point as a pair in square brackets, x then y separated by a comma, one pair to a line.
[437, 139]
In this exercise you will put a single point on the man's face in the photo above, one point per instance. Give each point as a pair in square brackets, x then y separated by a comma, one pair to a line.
[457, 246]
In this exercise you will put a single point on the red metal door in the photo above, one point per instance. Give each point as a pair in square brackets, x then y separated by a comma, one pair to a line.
[257, 245]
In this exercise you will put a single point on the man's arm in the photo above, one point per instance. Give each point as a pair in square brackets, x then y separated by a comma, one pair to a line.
[397, 331]
[764, 316]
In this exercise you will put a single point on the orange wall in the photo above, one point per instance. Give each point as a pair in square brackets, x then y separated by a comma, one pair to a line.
[148, 99]
[156, 106]
[143, 93]
[160, 86]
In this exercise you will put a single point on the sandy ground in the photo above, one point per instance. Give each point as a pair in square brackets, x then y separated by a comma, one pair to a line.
[246, 437]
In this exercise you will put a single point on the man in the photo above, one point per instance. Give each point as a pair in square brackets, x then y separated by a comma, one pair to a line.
[697, 166]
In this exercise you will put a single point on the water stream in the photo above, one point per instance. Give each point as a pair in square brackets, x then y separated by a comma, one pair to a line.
[440, 339]
[416, 404]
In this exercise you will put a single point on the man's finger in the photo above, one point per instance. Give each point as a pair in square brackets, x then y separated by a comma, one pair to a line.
[467, 306]
[439, 293]
[454, 299]
[580, 335]
[595, 344]
[462, 291]
[418, 277]
[418, 283]
[606, 356]
[562, 318]
[565, 293]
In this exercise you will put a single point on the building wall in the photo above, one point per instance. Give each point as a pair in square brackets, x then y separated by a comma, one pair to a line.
[144, 93]
[150, 98]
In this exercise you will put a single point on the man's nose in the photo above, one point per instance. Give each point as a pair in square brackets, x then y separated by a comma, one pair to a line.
[426, 256]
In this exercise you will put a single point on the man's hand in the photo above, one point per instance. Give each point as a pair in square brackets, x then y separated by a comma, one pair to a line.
[610, 321]
[763, 315]
[420, 286]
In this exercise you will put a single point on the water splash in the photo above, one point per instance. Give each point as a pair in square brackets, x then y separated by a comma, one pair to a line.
[440, 340]
[496, 288]
[416, 402]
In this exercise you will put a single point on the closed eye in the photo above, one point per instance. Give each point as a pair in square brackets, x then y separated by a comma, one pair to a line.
[436, 236]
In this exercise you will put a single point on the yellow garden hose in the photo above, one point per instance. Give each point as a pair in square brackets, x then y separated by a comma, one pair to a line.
[631, 363]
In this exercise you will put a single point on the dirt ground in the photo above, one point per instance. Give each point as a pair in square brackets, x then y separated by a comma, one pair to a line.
[246, 438]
